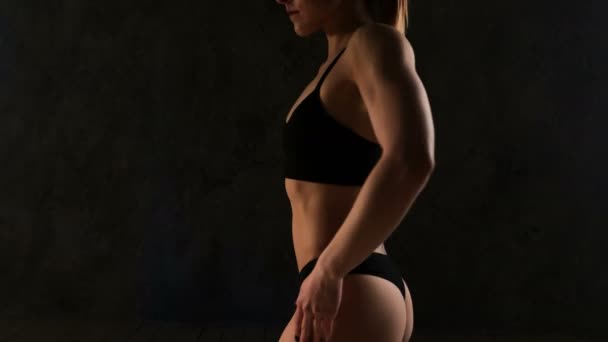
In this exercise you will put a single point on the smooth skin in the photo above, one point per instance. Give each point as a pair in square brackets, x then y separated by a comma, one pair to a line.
[376, 74]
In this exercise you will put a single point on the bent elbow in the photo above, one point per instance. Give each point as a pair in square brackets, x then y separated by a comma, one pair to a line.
[422, 169]
[419, 169]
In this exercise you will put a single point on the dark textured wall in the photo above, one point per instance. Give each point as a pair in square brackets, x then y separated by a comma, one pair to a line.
[140, 162]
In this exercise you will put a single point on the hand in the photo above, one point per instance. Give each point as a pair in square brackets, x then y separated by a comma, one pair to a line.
[317, 306]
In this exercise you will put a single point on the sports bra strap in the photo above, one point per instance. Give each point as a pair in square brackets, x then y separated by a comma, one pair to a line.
[329, 69]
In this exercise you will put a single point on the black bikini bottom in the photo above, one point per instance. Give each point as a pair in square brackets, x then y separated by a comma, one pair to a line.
[376, 264]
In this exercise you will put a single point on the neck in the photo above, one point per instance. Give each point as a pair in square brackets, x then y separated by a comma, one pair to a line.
[345, 19]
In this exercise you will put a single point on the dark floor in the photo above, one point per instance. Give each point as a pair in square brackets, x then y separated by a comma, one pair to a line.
[80, 330]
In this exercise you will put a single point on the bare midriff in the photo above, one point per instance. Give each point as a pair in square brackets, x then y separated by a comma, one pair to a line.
[318, 211]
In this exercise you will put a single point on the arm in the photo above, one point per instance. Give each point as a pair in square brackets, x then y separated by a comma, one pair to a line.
[401, 118]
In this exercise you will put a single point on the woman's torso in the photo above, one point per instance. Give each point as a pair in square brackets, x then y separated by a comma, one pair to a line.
[319, 209]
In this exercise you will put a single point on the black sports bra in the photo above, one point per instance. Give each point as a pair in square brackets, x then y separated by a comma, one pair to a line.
[318, 148]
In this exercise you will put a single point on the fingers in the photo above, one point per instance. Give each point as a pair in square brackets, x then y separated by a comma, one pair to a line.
[318, 333]
[322, 328]
[325, 328]
[303, 325]
[298, 323]
[311, 328]
[306, 333]
[329, 327]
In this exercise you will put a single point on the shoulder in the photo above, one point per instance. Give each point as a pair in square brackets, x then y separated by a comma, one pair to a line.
[380, 45]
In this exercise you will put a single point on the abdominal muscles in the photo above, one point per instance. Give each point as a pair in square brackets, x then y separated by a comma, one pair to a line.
[318, 211]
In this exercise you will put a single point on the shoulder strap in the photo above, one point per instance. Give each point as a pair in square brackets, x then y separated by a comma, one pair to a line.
[329, 68]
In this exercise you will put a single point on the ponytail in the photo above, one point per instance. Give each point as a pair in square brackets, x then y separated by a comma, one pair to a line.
[390, 12]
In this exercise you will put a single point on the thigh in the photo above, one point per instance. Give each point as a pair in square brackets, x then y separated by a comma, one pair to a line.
[288, 332]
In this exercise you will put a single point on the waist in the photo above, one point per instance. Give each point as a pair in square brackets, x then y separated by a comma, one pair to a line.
[311, 237]
[318, 211]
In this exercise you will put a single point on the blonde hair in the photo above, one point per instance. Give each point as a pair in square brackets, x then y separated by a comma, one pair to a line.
[390, 12]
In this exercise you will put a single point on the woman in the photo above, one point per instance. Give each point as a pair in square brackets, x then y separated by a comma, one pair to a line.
[359, 148]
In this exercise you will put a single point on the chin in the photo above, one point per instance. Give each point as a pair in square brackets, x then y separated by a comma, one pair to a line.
[303, 32]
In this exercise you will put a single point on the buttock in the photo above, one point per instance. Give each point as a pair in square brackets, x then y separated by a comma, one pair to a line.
[377, 264]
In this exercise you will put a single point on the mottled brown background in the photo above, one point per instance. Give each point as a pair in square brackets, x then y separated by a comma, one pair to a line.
[140, 162]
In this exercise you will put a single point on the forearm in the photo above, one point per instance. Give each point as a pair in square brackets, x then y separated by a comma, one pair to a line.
[383, 201]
